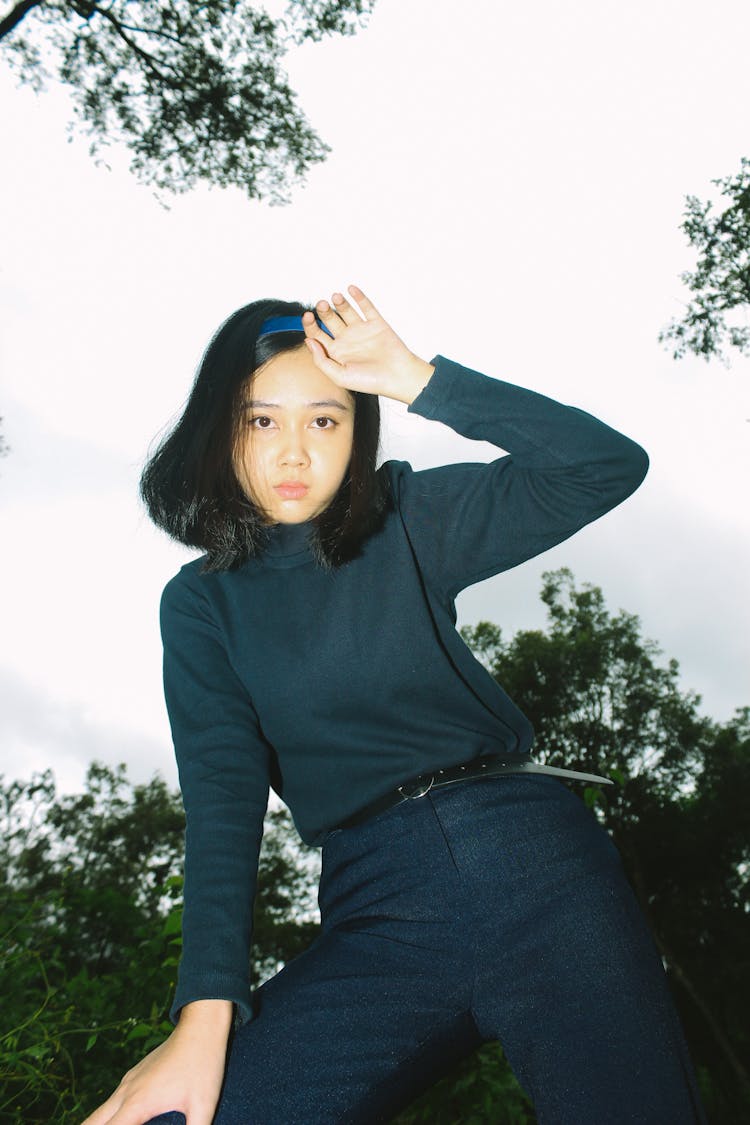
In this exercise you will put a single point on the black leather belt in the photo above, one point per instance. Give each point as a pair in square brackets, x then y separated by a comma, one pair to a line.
[485, 766]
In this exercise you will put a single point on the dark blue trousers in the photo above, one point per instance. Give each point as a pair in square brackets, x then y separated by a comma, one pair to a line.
[496, 908]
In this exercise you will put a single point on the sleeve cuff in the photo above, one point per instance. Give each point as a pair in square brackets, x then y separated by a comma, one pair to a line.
[427, 403]
[216, 988]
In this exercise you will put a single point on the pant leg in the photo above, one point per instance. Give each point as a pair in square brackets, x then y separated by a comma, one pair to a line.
[493, 909]
[376, 1009]
[567, 974]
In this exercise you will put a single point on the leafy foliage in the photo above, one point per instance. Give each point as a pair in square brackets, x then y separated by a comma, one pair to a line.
[480, 1090]
[90, 908]
[87, 887]
[720, 283]
[194, 89]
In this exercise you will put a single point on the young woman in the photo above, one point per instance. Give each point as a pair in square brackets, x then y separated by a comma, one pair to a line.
[466, 892]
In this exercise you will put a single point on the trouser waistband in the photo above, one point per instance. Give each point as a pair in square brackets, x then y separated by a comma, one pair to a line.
[484, 766]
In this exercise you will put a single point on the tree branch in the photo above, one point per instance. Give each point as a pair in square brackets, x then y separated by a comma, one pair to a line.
[15, 15]
[88, 8]
[156, 32]
[153, 64]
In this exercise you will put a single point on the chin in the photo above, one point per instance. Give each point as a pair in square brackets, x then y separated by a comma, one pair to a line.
[300, 516]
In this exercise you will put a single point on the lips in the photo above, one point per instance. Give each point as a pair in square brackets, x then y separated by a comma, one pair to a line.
[291, 490]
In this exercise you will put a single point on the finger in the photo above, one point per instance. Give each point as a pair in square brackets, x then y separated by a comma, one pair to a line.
[327, 315]
[314, 331]
[130, 1114]
[322, 360]
[368, 309]
[119, 1116]
[347, 312]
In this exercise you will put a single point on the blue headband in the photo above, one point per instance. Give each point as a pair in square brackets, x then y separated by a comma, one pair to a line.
[287, 324]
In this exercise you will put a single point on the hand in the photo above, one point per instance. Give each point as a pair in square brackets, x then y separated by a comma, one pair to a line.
[183, 1073]
[365, 353]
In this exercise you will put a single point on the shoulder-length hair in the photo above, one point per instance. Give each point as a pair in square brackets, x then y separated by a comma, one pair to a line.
[190, 487]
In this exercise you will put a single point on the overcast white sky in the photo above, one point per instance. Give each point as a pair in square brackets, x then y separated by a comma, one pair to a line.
[507, 183]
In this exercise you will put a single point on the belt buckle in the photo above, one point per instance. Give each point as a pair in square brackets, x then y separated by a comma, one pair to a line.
[420, 789]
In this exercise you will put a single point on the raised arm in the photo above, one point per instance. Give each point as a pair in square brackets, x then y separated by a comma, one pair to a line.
[563, 469]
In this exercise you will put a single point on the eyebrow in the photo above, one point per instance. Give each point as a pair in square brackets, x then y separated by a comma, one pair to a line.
[256, 403]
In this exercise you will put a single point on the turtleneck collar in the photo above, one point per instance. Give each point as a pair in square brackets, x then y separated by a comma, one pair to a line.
[288, 544]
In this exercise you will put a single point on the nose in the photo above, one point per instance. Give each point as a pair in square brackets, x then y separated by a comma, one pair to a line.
[293, 452]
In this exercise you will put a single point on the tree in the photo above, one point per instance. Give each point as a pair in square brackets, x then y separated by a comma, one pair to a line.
[90, 906]
[720, 283]
[194, 89]
[87, 884]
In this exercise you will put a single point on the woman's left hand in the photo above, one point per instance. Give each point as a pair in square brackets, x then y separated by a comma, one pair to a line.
[365, 353]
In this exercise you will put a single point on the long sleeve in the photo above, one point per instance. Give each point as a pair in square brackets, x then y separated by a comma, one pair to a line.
[563, 469]
[223, 765]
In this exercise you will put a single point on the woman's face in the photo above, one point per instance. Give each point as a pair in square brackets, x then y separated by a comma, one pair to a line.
[295, 438]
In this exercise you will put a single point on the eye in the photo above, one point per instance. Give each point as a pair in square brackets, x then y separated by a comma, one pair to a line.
[324, 423]
[261, 422]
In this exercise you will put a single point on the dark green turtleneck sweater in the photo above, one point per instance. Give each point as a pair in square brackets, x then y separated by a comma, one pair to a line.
[334, 687]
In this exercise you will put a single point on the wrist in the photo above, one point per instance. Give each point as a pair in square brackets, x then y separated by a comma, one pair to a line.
[415, 377]
[212, 1016]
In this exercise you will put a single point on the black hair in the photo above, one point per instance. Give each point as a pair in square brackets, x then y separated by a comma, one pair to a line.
[190, 487]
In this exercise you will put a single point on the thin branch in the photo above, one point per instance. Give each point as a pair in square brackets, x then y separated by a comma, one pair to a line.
[154, 31]
[15, 15]
[151, 62]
